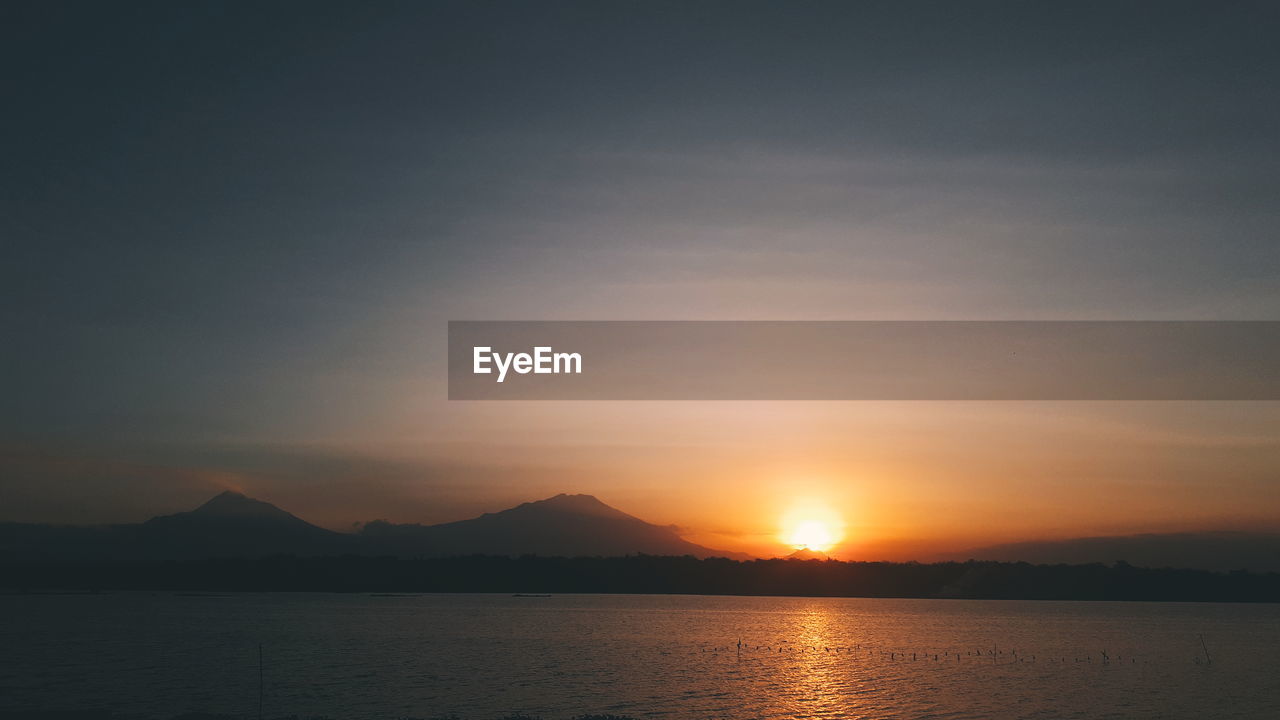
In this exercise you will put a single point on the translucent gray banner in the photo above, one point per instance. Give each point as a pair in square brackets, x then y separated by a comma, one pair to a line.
[864, 360]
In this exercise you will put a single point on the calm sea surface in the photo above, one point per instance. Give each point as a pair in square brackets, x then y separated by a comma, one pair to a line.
[481, 656]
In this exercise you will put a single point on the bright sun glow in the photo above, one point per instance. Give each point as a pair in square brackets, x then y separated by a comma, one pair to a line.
[812, 525]
[812, 534]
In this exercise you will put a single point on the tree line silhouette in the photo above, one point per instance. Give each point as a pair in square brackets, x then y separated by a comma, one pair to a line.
[644, 574]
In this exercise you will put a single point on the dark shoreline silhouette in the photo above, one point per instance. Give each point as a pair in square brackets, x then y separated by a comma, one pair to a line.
[646, 574]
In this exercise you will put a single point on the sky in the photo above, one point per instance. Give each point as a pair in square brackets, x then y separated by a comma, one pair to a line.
[234, 235]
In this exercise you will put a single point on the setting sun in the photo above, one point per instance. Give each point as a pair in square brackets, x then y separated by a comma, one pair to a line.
[812, 535]
[813, 526]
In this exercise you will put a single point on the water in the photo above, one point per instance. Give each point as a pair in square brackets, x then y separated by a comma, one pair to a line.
[482, 656]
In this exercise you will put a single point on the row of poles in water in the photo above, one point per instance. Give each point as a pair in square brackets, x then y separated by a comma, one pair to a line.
[996, 655]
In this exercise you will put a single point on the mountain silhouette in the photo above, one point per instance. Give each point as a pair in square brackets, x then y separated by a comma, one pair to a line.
[231, 504]
[807, 554]
[564, 525]
[234, 525]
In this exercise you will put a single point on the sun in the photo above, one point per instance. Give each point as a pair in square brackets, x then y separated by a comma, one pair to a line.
[812, 535]
[812, 525]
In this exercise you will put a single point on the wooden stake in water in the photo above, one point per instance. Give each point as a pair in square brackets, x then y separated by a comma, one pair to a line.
[260, 685]
[1208, 660]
